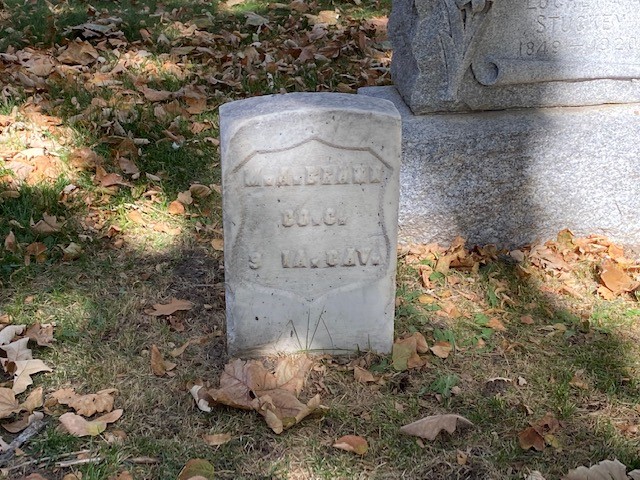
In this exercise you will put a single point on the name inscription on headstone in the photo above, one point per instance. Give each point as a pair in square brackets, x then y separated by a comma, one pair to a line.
[454, 55]
[310, 187]
[532, 41]
[322, 204]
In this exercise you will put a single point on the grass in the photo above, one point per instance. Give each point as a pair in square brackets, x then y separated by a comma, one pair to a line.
[577, 360]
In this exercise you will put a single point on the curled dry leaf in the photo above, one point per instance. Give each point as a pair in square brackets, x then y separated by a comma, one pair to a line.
[197, 468]
[250, 386]
[616, 279]
[10, 243]
[41, 334]
[185, 197]
[199, 191]
[86, 405]
[605, 470]
[430, 427]
[80, 427]
[352, 443]
[218, 244]
[159, 365]
[539, 433]
[442, 349]
[217, 439]
[363, 376]
[48, 224]
[22, 423]
[405, 352]
[170, 308]
[10, 331]
[176, 208]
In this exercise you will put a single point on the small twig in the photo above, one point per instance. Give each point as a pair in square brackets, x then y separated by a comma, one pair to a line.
[81, 461]
[17, 442]
[42, 460]
[142, 460]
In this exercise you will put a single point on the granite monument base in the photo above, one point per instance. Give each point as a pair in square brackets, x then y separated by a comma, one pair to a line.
[513, 177]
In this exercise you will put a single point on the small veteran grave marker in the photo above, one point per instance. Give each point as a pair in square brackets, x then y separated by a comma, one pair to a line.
[310, 185]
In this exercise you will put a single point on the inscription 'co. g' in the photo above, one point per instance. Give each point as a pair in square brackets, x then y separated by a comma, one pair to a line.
[303, 218]
[358, 174]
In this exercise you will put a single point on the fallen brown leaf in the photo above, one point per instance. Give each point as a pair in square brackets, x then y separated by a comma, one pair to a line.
[48, 224]
[80, 427]
[176, 208]
[8, 403]
[170, 308]
[86, 405]
[159, 366]
[197, 469]
[22, 371]
[352, 443]
[442, 349]
[218, 244]
[615, 279]
[217, 439]
[10, 243]
[23, 422]
[363, 376]
[41, 334]
[430, 427]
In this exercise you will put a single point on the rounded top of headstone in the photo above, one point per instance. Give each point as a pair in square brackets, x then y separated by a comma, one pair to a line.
[300, 101]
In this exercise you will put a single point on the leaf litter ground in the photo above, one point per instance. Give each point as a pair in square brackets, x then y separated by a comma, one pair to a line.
[112, 244]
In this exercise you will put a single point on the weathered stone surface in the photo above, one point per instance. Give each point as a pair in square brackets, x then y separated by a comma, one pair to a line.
[513, 177]
[456, 55]
[310, 201]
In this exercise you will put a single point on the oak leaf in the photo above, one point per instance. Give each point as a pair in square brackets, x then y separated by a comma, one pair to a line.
[33, 401]
[42, 334]
[17, 351]
[81, 427]
[282, 410]
[23, 422]
[430, 427]
[48, 224]
[10, 331]
[22, 371]
[170, 308]
[86, 405]
[159, 365]
[8, 403]
[352, 443]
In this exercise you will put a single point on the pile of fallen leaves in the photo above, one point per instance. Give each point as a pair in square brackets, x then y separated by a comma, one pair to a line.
[18, 363]
[618, 274]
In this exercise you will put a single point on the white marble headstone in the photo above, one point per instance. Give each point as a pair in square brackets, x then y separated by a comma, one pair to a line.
[310, 201]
